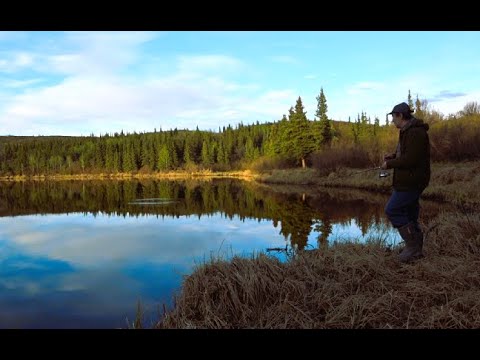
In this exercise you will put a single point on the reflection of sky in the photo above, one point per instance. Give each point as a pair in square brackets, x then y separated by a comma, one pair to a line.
[77, 270]
[352, 232]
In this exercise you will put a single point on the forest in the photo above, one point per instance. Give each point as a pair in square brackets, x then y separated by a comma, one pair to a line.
[292, 141]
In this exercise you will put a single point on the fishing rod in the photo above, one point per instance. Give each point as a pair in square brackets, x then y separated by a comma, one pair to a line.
[365, 170]
[382, 174]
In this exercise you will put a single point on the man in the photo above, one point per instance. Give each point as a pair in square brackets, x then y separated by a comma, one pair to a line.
[411, 175]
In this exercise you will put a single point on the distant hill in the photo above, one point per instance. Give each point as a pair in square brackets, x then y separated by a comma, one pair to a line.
[18, 139]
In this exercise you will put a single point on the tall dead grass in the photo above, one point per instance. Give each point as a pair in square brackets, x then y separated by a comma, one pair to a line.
[334, 158]
[345, 285]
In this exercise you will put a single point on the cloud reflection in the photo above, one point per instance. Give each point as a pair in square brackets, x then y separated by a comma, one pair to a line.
[73, 271]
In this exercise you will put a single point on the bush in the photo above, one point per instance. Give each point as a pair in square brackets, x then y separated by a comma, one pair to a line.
[267, 164]
[334, 158]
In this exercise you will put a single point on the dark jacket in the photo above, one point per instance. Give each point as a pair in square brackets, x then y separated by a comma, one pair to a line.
[412, 167]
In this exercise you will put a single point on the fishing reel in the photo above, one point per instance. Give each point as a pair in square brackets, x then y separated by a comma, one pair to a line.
[383, 174]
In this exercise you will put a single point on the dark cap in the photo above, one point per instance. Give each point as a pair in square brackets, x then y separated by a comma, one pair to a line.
[401, 108]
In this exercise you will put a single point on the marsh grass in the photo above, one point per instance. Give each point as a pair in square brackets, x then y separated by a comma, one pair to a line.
[345, 285]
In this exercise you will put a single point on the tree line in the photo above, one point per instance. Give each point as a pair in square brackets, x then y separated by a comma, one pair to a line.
[294, 140]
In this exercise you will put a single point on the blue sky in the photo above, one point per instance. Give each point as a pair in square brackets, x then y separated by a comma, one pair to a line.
[77, 83]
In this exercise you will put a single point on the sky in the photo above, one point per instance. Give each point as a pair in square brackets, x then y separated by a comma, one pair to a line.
[82, 83]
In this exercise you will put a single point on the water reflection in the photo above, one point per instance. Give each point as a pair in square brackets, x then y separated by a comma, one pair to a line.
[80, 254]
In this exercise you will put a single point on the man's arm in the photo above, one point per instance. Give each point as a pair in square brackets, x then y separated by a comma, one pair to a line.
[415, 143]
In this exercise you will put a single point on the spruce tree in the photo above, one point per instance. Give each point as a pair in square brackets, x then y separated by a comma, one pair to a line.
[410, 101]
[297, 139]
[326, 128]
[164, 159]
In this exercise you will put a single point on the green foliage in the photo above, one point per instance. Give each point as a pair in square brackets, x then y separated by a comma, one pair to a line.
[409, 100]
[207, 153]
[297, 140]
[288, 142]
[326, 129]
[164, 160]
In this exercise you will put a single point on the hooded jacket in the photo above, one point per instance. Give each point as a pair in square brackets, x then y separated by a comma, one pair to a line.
[412, 164]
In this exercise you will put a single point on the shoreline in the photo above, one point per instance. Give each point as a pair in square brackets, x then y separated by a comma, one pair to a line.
[244, 175]
[455, 183]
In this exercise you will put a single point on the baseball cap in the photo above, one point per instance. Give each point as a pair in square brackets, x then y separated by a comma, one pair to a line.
[401, 108]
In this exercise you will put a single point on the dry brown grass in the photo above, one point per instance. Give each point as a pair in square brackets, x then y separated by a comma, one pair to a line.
[307, 176]
[343, 286]
[332, 159]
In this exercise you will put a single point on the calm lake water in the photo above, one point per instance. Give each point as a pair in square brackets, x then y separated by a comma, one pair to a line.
[81, 254]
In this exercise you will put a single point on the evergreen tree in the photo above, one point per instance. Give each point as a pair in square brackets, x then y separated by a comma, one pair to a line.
[297, 139]
[207, 158]
[100, 154]
[326, 129]
[147, 153]
[291, 114]
[164, 159]
[376, 126]
[419, 109]
[410, 101]
[172, 150]
[129, 164]
[109, 155]
[188, 152]
[117, 159]
[249, 150]
[221, 155]
[300, 114]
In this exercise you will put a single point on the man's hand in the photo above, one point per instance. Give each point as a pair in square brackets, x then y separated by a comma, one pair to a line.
[384, 166]
[389, 156]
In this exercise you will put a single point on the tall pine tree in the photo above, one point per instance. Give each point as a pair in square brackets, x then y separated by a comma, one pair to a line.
[297, 139]
[326, 128]
[410, 101]
[164, 159]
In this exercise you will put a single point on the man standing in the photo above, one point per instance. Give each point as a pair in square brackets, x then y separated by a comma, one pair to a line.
[411, 175]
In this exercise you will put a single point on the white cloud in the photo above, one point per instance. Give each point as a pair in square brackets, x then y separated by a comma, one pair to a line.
[83, 104]
[96, 94]
[9, 83]
[455, 104]
[310, 77]
[378, 98]
[15, 61]
[97, 53]
[92, 243]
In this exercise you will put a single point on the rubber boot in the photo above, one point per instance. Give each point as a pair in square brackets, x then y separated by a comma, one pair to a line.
[419, 233]
[413, 243]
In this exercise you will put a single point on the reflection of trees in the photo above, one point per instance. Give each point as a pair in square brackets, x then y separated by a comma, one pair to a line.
[295, 214]
[323, 226]
[296, 218]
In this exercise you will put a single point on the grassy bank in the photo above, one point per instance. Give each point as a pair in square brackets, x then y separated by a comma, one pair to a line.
[457, 183]
[342, 286]
[244, 175]
[350, 285]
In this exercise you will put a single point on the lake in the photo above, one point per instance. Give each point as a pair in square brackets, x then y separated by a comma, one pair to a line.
[81, 254]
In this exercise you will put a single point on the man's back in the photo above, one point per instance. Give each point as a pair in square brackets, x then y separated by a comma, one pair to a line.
[412, 167]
